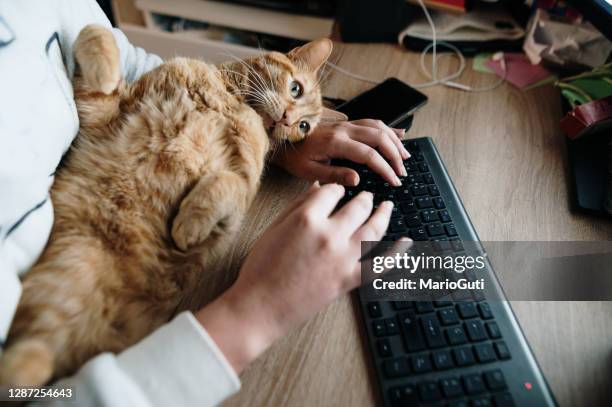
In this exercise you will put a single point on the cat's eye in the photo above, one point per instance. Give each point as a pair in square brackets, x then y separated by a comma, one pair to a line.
[295, 89]
[304, 126]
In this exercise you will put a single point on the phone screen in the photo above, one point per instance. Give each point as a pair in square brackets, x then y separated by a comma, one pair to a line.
[391, 101]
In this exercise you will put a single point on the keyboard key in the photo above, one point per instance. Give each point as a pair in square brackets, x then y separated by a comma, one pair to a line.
[412, 146]
[403, 396]
[385, 196]
[485, 310]
[408, 207]
[384, 348]
[439, 203]
[473, 384]
[502, 350]
[418, 234]
[397, 225]
[424, 202]
[414, 179]
[458, 403]
[475, 331]
[397, 367]
[419, 157]
[421, 364]
[411, 166]
[413, 220]
[379, 327]
[493, 329]
[428, 179]
[464, 356]
[444, 216]
[423, 307]
[435, 230]
[429, 391]
[434, 191]
[400, 305]
[411, 331]
[403, 195]
[448, 316]
[457, 245]
[374, 309]
[391, 326]
[433, 333]
[481, 402]
[467, 310]
[484, 353]
[451, 387]
[442, 304]
[495, 380]
[419, 190]
[423, 167]
[503, 400]
[478, 295]
[450, 229]
[442, 360]
[368, 185]
[462, 295]
[429, 216]
[456, 335]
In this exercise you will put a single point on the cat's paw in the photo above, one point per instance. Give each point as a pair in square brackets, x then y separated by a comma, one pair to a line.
[194, 228]
[188, 232]
[97, 56]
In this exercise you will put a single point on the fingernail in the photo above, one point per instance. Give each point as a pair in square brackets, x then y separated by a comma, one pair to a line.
[404, 172]
[397, 182]
[390, 204]
[405, 239]
[351, 180]
[368, 194]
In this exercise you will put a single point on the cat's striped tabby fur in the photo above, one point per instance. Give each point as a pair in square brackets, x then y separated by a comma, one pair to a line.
[151, 193]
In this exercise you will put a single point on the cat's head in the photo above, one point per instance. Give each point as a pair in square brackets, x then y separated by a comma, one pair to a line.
[284, 90]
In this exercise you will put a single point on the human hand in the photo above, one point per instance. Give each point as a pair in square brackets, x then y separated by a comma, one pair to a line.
[305, 260]
[356, 141]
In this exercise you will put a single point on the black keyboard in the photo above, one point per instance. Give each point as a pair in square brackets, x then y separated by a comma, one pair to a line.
[468, 353]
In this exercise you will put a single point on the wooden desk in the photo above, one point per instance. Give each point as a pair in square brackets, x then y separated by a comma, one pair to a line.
[506, 156]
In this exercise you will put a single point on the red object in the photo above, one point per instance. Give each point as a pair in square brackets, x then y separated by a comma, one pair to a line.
[528, 386]
[457, 6]
[587, 117]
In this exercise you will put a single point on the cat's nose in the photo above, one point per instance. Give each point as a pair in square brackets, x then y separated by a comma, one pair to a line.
[286, 120]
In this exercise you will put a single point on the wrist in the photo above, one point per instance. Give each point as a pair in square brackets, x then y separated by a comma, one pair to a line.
[239, 326]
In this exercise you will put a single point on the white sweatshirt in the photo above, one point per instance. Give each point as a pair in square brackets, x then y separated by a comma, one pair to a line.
[177, 365]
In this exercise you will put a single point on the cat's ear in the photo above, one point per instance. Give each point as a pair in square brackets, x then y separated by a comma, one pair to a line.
[329, 115]
[312, 55]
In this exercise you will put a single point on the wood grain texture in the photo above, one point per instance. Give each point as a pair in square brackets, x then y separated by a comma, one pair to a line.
[506, 156]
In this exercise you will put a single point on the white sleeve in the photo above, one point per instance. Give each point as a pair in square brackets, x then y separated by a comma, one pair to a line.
[177, 365]
[135, 61]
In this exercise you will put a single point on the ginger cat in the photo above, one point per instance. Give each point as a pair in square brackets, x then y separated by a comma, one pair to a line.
[153, 189]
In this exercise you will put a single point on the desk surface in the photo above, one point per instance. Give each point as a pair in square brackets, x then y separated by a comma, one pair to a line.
[506, 156]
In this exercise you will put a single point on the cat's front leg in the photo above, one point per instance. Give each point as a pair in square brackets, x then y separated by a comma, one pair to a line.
[212, 211]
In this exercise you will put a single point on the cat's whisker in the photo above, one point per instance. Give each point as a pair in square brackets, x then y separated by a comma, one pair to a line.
[249, 68]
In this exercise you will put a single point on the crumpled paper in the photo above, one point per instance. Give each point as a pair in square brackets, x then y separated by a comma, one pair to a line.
[564, 43]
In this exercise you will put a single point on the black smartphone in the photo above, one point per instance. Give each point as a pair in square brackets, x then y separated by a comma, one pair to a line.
[391, 101]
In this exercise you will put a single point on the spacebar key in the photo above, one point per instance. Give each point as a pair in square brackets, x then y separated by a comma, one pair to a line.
[411, 330]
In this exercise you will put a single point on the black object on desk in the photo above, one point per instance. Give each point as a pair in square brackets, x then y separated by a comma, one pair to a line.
[463, 352]
[589, 162]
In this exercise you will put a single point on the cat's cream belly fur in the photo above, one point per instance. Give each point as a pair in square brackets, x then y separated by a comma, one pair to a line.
[112, 271]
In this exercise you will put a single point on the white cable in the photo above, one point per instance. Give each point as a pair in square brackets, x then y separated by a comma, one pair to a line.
[351, 74]
[445, 81]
